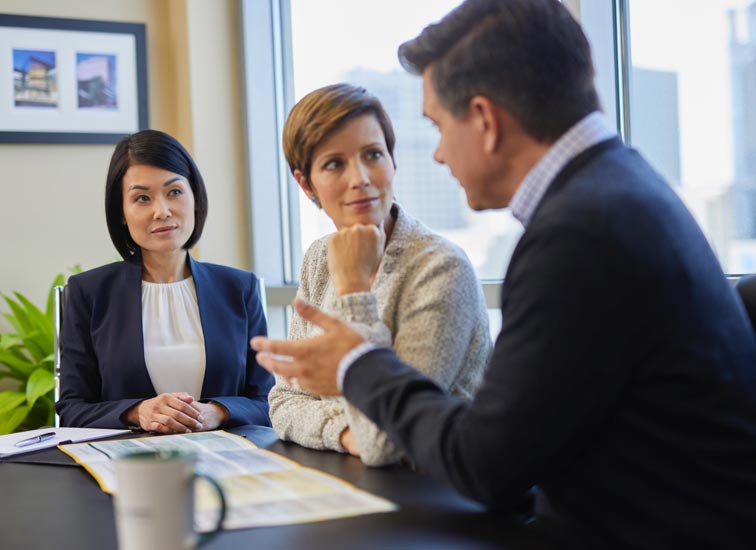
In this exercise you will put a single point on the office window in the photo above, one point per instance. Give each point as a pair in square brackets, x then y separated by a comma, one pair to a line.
[354, 41]
[692, 105]
[679, 79]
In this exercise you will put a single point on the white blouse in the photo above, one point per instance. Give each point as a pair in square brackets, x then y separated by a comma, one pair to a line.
[174, 346]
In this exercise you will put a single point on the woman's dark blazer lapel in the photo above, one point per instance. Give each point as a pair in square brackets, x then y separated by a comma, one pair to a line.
[208, 310]
[127, 300]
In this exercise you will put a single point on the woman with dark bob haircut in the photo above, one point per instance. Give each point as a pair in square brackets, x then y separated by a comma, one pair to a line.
[398, 283]
[160, 340]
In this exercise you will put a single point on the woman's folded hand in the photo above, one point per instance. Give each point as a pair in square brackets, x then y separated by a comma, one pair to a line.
[354, 254]
[167, 413]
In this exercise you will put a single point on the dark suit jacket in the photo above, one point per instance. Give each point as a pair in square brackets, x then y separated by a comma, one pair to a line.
[103, 372]
[623, 382]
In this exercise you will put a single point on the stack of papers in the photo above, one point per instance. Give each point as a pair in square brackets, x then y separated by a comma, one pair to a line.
[261, 488]
[35, 440]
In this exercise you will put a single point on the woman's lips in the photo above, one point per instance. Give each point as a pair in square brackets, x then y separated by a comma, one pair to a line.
[163, 230]
[362, 203]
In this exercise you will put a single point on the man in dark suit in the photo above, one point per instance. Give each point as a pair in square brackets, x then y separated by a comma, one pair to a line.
[623, 382]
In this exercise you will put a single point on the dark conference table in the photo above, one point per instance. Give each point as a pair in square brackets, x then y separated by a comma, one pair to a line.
[50, 502]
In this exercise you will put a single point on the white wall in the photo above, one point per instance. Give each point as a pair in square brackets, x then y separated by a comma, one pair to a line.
[51, 196]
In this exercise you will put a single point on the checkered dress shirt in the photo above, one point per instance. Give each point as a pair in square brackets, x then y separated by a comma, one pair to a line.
[586, 133]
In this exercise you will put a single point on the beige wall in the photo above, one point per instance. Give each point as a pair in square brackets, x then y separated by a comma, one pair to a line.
[51, 196]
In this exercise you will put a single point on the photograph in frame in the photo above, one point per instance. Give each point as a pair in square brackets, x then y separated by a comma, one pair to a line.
[96, 81]
[35, 82]
[71, 80]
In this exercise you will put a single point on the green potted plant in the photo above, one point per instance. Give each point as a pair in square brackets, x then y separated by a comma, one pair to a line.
[27, 359]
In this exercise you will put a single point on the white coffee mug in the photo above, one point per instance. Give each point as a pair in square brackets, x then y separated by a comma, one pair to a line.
[154, 504]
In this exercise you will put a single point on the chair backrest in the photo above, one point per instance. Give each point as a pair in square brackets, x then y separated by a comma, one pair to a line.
[263, 296]
[59, 296]
[746, 288]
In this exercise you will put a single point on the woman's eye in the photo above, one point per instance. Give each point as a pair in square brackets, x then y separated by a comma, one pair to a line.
[175, 192]
[142, 198]
[331, 165]
[375, 154]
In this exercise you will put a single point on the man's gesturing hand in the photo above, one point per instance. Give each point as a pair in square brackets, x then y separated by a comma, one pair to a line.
[311, 363]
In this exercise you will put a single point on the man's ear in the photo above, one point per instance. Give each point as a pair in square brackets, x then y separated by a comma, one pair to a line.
[487, 121]
[304, 184]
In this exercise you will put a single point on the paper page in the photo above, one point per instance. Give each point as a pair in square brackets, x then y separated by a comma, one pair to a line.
[62, 435]
[262, 488]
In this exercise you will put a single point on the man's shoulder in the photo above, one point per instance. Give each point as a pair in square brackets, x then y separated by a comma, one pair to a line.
[617, 214]
[610, 187]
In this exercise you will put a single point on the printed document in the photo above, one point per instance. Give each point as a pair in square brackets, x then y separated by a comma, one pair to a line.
[262, 488]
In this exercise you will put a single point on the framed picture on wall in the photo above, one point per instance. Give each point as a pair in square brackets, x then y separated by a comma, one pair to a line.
[71, 80]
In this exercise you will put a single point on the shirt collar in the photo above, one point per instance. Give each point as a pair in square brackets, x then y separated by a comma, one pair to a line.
[587, 132]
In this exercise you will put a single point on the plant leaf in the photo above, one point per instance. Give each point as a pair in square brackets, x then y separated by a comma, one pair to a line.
[22, 318]
[10, 400]
[24, 368]
[20, 352]
[13, 375]
[41, 414]
[9, 340]
[14, 323]
[40, 383]
[39, 345]
[36, 317]
[11, 421]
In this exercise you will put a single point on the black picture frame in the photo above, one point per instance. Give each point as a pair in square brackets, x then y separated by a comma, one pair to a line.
[68, 107]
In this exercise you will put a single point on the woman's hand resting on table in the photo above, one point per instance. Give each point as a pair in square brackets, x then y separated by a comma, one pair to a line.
[171, 413]
[348, 442]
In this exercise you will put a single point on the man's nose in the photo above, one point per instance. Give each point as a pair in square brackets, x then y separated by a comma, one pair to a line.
[437, 156]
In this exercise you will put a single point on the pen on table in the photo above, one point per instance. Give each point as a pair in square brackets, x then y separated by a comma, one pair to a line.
[36, 439]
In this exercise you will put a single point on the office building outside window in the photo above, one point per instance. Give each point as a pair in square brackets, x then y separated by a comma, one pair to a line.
[693, 112]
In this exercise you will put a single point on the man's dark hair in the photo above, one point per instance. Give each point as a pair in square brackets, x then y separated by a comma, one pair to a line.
[150, 148]
[528, 56]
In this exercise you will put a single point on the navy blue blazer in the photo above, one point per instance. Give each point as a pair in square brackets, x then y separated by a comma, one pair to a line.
[623, 382]
[103, 372]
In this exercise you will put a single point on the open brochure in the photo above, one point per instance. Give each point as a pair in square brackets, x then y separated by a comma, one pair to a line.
[45, 438]
[262, 488]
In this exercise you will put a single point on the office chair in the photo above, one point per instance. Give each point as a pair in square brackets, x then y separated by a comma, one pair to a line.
[59, 293]
[263, 297]
[746, 288]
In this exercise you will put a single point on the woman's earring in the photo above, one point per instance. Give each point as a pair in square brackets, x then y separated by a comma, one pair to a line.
[316, 201]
